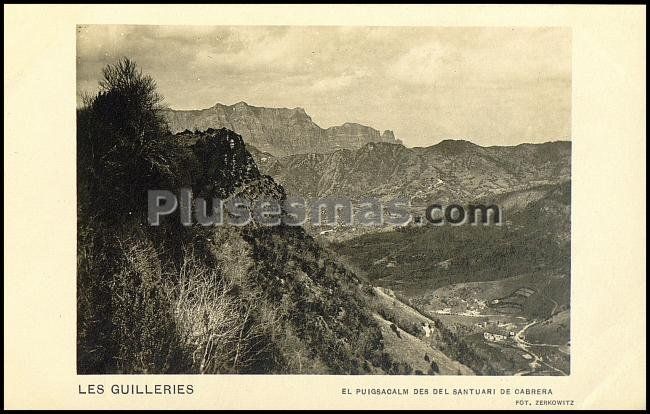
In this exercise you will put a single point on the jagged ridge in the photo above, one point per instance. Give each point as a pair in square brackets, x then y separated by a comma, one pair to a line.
[449, 171]
[280, 131]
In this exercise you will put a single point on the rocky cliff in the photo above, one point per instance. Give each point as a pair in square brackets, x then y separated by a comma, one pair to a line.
[279, 131]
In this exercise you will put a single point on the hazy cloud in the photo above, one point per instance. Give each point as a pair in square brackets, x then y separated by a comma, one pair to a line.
[490, 85]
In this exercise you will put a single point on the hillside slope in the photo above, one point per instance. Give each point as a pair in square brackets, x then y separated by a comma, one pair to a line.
[457, 171]
[223, 299]
[412, 260]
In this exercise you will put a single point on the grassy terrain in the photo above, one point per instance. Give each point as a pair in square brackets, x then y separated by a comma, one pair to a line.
[534, 240]
[551, 295]
[554, 330]
[412, 344]
[473, 280]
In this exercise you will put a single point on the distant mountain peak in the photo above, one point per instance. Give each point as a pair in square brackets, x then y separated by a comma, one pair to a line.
[456, 141]
[279, 131]
[454, 145]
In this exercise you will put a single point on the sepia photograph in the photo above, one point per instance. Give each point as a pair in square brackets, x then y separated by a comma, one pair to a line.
[323, 200]
[324, 206]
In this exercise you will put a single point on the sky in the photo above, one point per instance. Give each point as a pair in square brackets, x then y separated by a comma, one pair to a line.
[491, 86]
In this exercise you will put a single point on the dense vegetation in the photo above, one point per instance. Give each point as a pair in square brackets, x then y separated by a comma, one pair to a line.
[535, 239]
[175, 299]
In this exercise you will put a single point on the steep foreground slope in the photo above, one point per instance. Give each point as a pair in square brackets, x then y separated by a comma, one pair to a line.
[280, 131]
[221, 299]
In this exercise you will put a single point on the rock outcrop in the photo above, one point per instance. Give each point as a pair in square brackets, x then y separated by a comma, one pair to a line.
[279, 131]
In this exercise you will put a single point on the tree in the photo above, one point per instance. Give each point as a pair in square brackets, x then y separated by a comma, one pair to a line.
[130, 102]
[123, 142]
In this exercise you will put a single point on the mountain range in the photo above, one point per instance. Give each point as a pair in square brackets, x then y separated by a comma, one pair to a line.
[279, 131]
[173, 298]
[451, 171]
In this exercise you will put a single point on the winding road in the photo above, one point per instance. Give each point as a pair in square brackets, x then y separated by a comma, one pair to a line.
[525, 346]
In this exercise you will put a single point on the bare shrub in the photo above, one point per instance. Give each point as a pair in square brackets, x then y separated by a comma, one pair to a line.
[207, 319]
[224, 328]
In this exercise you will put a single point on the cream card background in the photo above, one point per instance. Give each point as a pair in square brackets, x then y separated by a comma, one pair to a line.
[608, 258]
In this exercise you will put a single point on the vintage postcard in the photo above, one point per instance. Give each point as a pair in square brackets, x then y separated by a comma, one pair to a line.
[279, 210]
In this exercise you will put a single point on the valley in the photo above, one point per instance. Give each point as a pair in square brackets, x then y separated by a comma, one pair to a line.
[175, 296]
[497, 297]
[504, 340]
